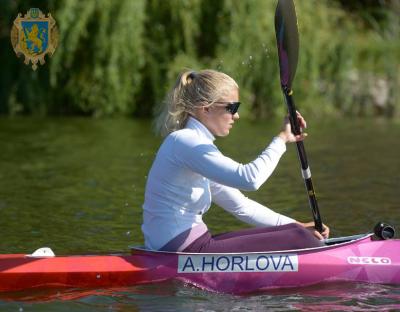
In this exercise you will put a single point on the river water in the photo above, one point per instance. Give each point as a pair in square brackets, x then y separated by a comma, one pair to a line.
[76, 185]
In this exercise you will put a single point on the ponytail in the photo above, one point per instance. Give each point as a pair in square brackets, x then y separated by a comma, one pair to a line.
[191, 90]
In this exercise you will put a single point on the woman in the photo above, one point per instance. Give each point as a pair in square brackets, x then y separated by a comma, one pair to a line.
[189, 172]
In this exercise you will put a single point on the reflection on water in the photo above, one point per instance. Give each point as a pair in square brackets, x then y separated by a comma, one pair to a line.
[76, 185]
[175, 296]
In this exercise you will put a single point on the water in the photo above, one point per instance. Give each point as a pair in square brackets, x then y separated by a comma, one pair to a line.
[76, 185]
[178, 297]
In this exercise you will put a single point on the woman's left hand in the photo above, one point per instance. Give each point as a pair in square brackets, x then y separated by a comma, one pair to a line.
[311, 227]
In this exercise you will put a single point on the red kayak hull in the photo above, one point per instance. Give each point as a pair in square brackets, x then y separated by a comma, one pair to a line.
[19, 271]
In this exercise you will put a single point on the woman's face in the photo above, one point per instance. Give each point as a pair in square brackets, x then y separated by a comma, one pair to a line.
[216, 118]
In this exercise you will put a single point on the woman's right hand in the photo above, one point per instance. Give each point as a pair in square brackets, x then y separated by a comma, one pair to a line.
[286, 133]
[311, 227]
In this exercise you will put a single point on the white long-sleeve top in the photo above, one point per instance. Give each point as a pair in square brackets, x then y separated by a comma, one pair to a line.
[189, 172]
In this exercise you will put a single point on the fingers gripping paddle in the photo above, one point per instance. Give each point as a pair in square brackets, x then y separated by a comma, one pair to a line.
[287, 39]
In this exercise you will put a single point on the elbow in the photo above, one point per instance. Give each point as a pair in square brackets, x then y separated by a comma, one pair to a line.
[252, 179]
[256, 185]
[252, 186]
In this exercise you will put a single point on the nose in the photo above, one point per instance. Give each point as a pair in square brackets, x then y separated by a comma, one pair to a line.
[236, 116]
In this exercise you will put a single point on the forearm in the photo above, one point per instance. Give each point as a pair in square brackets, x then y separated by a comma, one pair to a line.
[245, 209]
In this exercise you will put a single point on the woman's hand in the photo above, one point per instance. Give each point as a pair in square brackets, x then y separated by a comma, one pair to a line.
[286, 133]
[311, 227]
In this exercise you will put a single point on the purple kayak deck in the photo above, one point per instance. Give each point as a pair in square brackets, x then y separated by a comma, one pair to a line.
[360, 260]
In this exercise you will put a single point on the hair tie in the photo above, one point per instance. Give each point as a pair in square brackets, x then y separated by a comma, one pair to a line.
[191, 77]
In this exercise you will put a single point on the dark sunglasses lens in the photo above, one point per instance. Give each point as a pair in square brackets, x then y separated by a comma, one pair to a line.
[233, 107]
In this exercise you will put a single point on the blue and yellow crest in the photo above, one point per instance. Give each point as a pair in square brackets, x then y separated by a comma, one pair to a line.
[33, 36]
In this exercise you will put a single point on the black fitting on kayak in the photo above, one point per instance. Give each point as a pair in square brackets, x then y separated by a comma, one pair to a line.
[384, 231]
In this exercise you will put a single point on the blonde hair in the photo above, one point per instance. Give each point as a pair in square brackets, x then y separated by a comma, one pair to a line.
[191, 90]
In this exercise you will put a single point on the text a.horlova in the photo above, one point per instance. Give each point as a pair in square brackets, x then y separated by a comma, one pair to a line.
[208, 263]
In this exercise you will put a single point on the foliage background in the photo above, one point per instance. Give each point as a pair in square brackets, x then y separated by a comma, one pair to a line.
[120, 57]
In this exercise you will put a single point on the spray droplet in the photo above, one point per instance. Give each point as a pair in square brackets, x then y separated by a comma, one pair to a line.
[251, 57]
[98, 276]
[128, 233]
[126, 204]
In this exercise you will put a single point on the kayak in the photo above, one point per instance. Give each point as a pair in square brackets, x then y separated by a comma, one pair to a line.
[359, 258]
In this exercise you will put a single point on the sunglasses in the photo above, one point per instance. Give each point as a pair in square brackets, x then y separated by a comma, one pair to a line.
[231, 107]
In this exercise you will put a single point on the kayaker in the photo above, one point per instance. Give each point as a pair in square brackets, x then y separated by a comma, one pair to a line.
[189, 172]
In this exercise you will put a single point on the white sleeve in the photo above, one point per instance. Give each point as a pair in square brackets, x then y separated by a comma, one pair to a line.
[245, 209]
[208, 161]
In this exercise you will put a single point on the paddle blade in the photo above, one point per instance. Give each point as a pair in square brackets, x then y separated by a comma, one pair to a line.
[287, 39]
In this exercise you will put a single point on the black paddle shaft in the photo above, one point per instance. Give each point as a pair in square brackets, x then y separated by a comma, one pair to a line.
[287, 39]
[305, 169]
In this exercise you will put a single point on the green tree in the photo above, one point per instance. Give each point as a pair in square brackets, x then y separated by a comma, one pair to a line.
[99, 57]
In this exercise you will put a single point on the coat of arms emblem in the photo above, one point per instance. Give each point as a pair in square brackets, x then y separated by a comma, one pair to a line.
[33, 36]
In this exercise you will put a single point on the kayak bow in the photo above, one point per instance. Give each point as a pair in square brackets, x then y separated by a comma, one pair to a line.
[360, 260]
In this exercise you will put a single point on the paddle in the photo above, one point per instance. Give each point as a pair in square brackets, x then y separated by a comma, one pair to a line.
[287, 39]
